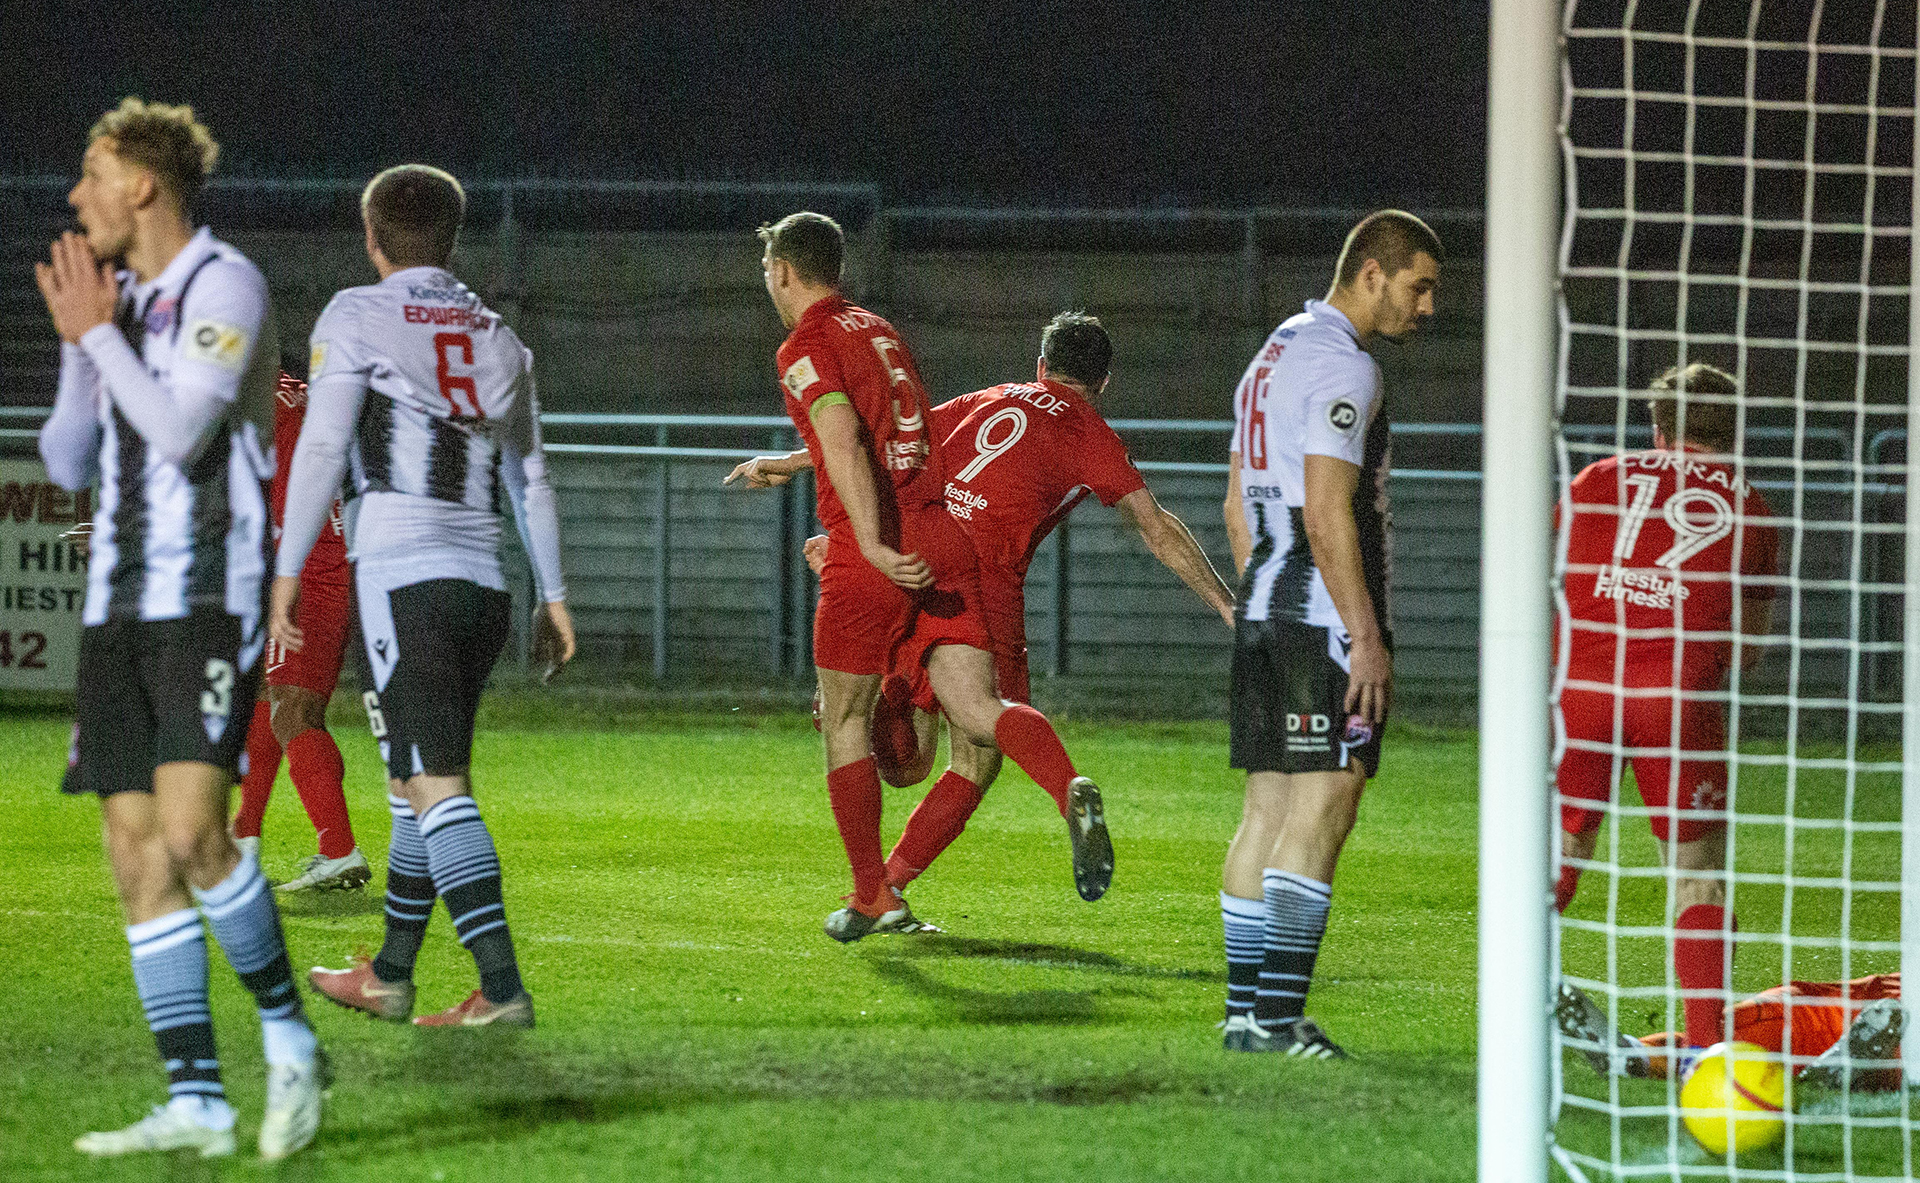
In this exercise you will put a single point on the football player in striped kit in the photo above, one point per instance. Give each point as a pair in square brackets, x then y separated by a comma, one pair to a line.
[430, 397]
[166, 383]
[1306, 512]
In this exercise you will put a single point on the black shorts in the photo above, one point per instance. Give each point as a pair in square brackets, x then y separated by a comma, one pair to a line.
[155, 692]
[430, 647]
[1288, 702]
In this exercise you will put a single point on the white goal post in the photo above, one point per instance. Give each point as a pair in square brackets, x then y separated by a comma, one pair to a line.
[1716, 181]
[1910, 660]
[1522, 236]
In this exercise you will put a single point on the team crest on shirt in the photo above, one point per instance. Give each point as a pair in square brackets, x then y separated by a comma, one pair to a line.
[223, 345]
[160, 316]
[1343, 416]
[799, 376]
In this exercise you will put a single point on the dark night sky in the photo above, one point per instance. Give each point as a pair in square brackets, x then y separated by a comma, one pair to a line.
[991, 103]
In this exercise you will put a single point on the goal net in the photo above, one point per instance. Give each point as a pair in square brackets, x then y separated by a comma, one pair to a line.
[1738, 191]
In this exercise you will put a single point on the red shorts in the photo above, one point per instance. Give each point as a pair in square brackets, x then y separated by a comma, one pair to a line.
[1004, 613]
[1646, 723]
[323, 616]
[865, 622]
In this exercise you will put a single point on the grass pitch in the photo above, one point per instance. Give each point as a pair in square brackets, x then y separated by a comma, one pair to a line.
[666, 885]
[666, 880]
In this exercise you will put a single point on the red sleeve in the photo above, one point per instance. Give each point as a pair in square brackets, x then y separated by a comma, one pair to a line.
[289, 410]
[1105, 466]
[810, 370]
[948, 414]
[1760, 548]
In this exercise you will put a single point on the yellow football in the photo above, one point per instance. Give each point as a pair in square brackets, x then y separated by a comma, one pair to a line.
[1735, 1096]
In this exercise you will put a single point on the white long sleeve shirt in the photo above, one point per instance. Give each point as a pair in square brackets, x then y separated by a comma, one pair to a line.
[169, 408]
[429, 398]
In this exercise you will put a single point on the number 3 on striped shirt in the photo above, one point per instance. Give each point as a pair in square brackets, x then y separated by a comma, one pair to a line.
[444, 344]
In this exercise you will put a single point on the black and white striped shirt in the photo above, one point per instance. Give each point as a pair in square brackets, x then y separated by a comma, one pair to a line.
[170, 408]
[429, 398]
[1313, 390]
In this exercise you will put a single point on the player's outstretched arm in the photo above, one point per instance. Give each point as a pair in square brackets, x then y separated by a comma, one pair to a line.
[1174, 545]
[767, 472]
[852, 476]
[1239, 538]
[1335, 541]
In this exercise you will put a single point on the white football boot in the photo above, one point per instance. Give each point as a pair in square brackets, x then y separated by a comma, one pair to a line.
[178, 1125]
[294, 1093]
[346, 873]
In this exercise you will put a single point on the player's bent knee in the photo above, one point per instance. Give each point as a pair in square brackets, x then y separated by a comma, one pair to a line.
[1688, 892]
[428, 789]
[296, 709]
[972, 717]
[200, 853]
[1580, 843]
[1331, 812]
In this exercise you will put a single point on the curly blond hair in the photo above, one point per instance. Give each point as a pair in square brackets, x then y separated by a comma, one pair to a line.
[165, 139]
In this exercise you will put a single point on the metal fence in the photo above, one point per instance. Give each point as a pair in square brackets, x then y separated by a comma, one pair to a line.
[674, 576]
[676, 580]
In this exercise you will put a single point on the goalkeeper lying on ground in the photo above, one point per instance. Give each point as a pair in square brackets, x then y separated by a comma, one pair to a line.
[1832, 1024]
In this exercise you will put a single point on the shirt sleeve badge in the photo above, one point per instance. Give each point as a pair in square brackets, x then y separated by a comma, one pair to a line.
[799, 376]
[218, 344]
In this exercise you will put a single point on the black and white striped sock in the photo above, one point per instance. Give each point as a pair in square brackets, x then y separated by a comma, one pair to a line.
[170, 972]
[1296, 923]
[409, 895]
[246, 922]
[1245, 922]
[466, 873]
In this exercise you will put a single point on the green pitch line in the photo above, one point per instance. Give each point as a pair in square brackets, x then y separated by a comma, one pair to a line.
[666, 887]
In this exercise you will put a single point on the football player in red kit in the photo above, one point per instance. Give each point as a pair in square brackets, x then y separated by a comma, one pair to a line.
[1018, 458]
[1840, 1034]
[1668, 570]
[292, 718]
[902, 579]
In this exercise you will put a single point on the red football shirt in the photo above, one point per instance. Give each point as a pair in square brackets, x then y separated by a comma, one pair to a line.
[328, 559]
[1659, 544]
[1018, 457]
[840, 353]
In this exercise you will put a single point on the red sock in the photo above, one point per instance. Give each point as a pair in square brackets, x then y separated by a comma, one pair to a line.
[854, 791]
[313, 760]
[1702, 961]
[935, 823]
[1563, 890]
[896, 746]
[1026, 738]
[263, 764]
